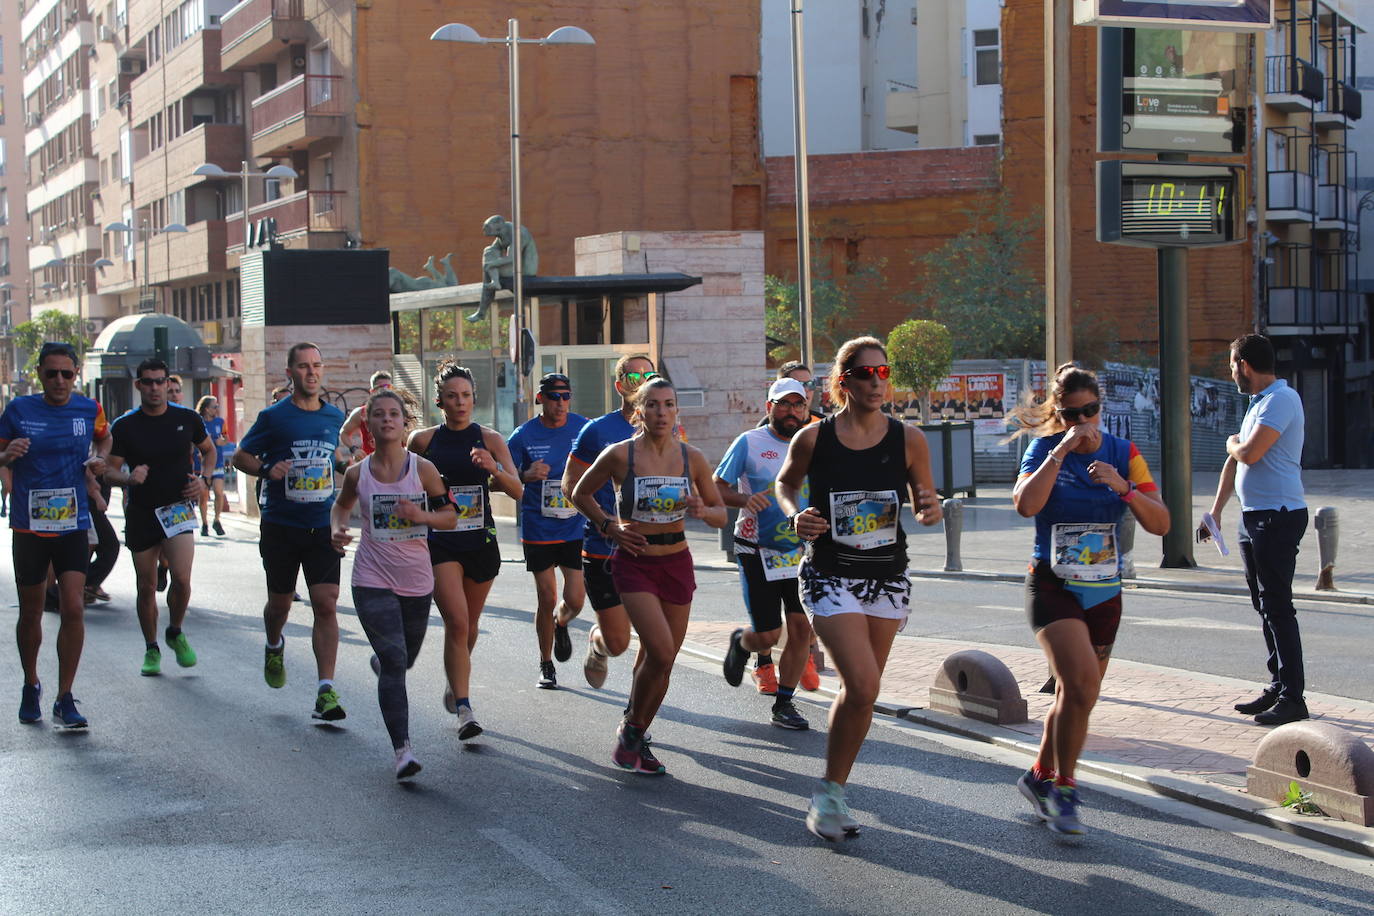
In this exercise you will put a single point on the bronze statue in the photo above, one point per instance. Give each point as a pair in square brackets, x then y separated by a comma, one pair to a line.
[400, 282]
[498, 263]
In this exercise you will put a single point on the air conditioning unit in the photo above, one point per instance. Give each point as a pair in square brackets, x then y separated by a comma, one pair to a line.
[131, 65]
[34, 119]
[106, 33]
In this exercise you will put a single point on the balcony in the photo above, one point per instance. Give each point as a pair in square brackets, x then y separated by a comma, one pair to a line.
[1288, 287]
[255, 32]
[169, 167]
[191, 65]
[296, 114]
[1291, 83]
[1337, 201]
[903, 110]
[182, 255]
[316, 215]
[1342, 105]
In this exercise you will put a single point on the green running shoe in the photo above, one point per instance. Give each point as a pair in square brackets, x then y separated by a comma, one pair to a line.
[274, 667]
[327, 706]
[186, 656]
[152, 662]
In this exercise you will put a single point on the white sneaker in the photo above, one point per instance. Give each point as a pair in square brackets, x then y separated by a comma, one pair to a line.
[406, 764]
[828, 814]
[594, 666]
[467, 724]
[450, 701]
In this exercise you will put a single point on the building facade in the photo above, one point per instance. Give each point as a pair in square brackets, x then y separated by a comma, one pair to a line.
[16, 290]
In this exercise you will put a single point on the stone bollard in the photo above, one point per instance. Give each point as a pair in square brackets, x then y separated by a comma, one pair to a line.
[977, 685]
[1125, 544]
[954, 530]
[1332, 764]
[1327, 523]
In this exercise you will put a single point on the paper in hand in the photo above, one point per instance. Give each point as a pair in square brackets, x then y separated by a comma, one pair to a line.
[1215, 531]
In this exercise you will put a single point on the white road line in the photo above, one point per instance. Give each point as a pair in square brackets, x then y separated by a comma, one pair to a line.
[997, 607]
[556, 873]
[1188, 623]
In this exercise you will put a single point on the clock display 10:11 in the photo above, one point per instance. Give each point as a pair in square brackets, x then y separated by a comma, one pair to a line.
[1179, 198]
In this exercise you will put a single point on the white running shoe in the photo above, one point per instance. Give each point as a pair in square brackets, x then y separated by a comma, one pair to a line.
[406, 764]
[467, 724]
[450, 702]
[829, 817]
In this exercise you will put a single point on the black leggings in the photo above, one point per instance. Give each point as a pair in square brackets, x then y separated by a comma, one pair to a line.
[106, 550]
[395, 625]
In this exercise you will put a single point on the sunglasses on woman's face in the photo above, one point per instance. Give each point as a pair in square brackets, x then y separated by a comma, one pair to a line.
[864, 373]
[634, 378]
[67, 374]
[1074, 414]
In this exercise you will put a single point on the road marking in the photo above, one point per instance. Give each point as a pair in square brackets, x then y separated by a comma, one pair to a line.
[997, 607]
[556, 873]
[1187, 623]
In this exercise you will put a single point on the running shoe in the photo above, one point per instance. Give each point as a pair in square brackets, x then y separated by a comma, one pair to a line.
[274, 666]
[98, 593]
[648, 764]
[811, 678]
[30, 703]
[152, 662]
[467, 724]
[327, 706]
[736, 657]
[162, 578]
[64, 714]
[826, 819]
[625, 754]
[548, 677]
[1037, 792]
[1063, 807]
[766, 677]
[562, 642]
[450, 701]
[785, 715]
[186, 656]
[594, 666]
[219, 529]
[406, 764]
[205, 531]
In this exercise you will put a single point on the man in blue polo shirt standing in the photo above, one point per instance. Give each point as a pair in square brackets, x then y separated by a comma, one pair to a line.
[1263, 467]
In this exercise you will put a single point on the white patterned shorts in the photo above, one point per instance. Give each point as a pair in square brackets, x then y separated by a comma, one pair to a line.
[825, 595]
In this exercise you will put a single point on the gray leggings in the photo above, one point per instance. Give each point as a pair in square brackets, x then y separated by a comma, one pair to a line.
[395, 625]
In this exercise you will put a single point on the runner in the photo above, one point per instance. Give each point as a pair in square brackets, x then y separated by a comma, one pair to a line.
[610, 635]
[768, 551]
[467, 558]
[208, 408]
[292, 444]
[355, 435]
[174, 390]
[550, 528]
[1077, 481]
[44, 440]
[403, 496]
[860, 466]
[104, 541]
[155, 440]
[173, 397]
[662, 480]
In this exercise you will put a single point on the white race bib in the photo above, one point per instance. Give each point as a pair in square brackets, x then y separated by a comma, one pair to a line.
[778, 565]
[178, 518]
[470, 501]
[386, 525]
[864, 519]
[660, 500]
[309, 480]
[552, 502]
[1084, 553]
[53, 510]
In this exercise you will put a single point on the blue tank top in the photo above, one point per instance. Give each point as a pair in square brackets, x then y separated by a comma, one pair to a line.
[451, 452]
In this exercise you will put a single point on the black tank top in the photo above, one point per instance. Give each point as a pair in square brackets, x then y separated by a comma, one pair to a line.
[861, 494]
[451, 452]
[656, 499]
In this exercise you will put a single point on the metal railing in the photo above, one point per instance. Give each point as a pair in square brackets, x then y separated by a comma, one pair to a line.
[1286, 74]
[307, 94]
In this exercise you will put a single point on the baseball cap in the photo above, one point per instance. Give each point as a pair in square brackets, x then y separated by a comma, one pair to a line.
[785, 386]
[554, 380]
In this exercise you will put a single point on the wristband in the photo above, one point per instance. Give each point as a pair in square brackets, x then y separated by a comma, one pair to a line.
[605, 523]
[1130, 492]
[793, 519]
[1055, 458]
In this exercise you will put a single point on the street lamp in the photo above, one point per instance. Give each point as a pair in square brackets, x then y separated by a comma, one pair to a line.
[145, 288]
[210, 170]
[566, 35]
[801, 184]
[62, 263]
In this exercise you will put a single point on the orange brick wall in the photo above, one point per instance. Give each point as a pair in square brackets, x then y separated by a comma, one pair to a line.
[653, 128]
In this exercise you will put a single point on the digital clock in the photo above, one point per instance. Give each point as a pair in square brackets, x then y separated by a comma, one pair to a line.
[1168, 204]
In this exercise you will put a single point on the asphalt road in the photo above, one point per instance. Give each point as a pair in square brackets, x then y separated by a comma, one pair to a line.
[205, 790]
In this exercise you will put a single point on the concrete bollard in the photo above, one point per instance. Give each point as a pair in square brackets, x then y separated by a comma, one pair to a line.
[1327, 523]
[954, 530]
[977, 685]
[1332, 764]
[1125, 544]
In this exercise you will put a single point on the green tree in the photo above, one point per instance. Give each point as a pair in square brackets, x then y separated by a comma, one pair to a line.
[920, 353]
[834, 316]
[47, 325]
[977, 283]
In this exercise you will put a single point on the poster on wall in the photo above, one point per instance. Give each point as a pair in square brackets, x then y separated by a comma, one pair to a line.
[986, 395]
[948, 401]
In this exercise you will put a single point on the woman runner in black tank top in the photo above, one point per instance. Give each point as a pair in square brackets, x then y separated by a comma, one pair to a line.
[466, 560]
[662, 481]
[860, 466]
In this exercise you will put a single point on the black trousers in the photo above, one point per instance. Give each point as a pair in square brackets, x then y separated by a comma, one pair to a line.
[1269, 547]
[106, 550]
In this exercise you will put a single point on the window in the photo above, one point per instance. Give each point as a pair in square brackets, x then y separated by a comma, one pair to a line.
[987, 63]
[986, 139]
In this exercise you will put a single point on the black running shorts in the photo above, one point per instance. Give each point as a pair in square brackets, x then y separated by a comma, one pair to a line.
[286, 550]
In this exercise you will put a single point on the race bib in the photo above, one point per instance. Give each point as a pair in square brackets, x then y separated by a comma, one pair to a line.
[389, 526]
[864, 519]
[470, 501]
[778, 565]
[309, 480]
[178, 518]
[53, 509]
[1084, 553]
[552, 502]
[660, 500]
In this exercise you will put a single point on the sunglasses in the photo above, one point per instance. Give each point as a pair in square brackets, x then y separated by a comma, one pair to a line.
[864, 373]
[1073, 414]
[636, 377]
[558, 395]
[67, 374]
[153, 382]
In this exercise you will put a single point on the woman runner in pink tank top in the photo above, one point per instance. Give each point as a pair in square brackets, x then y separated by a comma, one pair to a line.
[402, 497]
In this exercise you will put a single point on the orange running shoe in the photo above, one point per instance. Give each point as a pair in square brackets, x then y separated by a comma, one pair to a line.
[766, 676]
[810, 679]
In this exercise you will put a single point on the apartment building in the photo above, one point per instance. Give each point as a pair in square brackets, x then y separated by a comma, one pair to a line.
[15, 289]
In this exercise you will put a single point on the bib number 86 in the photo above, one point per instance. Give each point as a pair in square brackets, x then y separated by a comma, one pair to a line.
[862, 523]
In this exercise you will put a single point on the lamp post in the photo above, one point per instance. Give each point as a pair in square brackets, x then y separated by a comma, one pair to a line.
[566, 35]
[145, 288]
[80, 263]
[210, 170]
[801, 184]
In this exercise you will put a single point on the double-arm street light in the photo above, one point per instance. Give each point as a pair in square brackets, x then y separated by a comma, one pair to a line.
[145, 303]
[80, 263]
[210, 170]
[566, 35]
